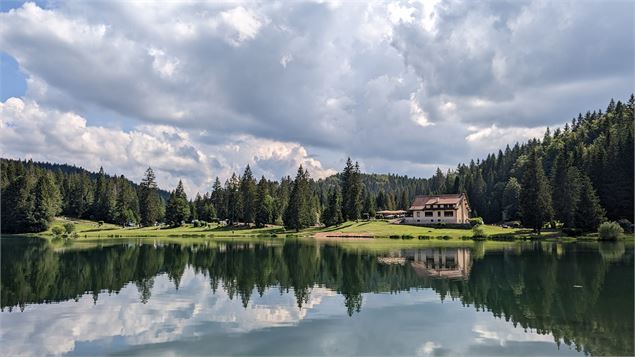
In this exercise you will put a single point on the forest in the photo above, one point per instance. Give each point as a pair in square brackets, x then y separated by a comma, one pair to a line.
[575, 177]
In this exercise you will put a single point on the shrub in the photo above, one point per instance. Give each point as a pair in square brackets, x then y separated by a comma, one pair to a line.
[74, 235]
[424, 237]
[478, 231]
[626, 225]
[100, 223]
[610, 231]
[394, 237]
[57, 231]
[407, 236]
[69, 227]
[476, 221]
[196, 223]
[446, 237]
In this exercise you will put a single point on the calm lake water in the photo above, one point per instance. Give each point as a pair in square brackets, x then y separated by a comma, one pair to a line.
[299, 298]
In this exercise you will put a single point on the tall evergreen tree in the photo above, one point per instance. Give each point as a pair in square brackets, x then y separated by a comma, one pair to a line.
[127, 203]
[332, 214]
[535, 194]
[264, 204]
[248, 195]
[48, 202]
[177, 209]
[351, 191]
[589, 213]
[150, 205]
[298, 212]
[511, 199]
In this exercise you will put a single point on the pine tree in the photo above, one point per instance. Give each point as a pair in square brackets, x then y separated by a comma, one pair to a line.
[233, 199]
[216, 199]
[150, 205]
[178, 207]
[535, 195]
[127, 204]
[589, 213]
[511, 199]
[264, 204]
[369, 205]
[332, 214]
[351, 191]
[48, 202]
[298, 212]
[248, 195]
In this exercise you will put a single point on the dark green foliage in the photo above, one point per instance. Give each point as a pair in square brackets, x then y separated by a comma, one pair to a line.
[332, 213]
[351, 191]
[127, 203]
[29, 201]
[535, 195]
[248, 196]
[610, 231]
[511, 199]
[177, 209]
[264, 204]
[299, 213]
[150, 204]
[589, 213]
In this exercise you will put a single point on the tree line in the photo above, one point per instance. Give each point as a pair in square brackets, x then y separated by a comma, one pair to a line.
[579, 175]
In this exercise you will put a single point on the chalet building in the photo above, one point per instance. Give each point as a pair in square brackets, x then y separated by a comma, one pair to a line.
[448, 209]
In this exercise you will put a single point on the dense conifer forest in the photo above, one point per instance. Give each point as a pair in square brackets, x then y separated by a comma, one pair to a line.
[578, 175]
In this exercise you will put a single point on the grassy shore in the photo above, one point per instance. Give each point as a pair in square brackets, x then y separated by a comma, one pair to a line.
[376, 229]
[371, 229]
[376, 235]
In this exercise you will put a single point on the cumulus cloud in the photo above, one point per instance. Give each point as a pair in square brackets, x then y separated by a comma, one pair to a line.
[396, 82]
[31, 131]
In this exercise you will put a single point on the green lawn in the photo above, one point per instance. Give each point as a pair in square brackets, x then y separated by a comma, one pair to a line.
[383, 230]
[377, 229]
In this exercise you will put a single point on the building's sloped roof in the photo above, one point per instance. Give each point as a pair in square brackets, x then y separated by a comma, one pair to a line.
[450, 199]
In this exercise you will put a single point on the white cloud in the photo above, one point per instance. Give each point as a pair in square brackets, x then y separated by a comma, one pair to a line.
[332, 77]
[31, 131]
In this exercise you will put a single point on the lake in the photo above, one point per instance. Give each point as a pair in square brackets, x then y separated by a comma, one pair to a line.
[299, 297]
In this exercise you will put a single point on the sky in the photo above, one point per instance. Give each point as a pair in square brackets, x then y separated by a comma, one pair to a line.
[200, 89]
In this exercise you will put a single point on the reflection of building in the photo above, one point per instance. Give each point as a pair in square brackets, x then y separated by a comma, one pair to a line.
[449, 263]
[443, 263]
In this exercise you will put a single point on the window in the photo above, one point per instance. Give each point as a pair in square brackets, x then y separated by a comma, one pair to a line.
[448, 214]
[434, 206]
[439, 220]
[418, 214]
[438, 213]
[428, 214]
[418, 220]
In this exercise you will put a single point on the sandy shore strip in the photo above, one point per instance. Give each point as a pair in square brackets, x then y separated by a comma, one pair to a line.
[342, 236]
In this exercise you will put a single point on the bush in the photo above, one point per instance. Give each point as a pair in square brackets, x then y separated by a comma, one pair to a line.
[626, 225]
[100, 223]
[57, 231]
[196, 223]
[610, 231]
[69, 227]
[394, 237]
[478, 231]
[476, 221]
[407, 236]
[424, 237]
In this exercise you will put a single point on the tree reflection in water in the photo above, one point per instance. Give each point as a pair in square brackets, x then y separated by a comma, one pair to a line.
[582, 295]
